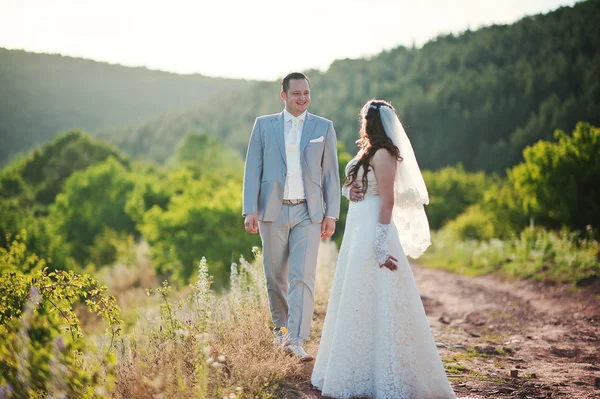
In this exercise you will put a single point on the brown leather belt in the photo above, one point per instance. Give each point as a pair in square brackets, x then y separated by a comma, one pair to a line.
[294, 202]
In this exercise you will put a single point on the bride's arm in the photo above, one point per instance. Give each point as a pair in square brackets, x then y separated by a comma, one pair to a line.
[384, 165]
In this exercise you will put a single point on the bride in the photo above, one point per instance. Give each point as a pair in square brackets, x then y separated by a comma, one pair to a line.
[376, 340]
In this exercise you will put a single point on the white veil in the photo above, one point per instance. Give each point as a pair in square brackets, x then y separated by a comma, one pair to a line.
[410, 192]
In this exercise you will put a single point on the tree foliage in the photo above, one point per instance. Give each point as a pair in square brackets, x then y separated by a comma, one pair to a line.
[39, 176]
[203, 215]
[40, 336]
[93, 200]
[43, 94]
[555, 186]
[477, 98]
[451, 191]
[558, 182]
[40, 238]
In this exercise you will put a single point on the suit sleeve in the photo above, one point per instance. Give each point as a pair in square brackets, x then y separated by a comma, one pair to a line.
[253, 171]
[331, 175]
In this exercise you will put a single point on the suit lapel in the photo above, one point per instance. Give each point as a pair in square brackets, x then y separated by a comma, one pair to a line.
[309, 126]
[278, 132]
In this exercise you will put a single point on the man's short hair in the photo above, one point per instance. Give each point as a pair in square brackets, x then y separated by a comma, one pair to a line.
[285, 83]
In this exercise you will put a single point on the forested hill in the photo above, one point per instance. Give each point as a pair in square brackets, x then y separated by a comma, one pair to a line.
[477, 98]
[42, 94]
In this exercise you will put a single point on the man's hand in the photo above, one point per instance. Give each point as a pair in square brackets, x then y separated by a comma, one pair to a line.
[356, 193]
[327, 228]
[390, 263]
[251, 223]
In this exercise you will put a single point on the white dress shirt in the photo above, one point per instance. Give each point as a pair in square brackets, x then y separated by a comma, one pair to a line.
[294, 187]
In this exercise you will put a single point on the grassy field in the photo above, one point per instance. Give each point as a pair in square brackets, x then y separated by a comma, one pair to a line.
[538, 254]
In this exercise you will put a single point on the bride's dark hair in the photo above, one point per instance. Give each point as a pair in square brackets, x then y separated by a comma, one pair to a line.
[372, 137]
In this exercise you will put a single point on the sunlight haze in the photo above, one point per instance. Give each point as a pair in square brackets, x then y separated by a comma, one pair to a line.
[261, 39]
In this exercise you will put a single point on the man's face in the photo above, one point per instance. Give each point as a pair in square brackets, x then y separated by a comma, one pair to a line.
[297, 97]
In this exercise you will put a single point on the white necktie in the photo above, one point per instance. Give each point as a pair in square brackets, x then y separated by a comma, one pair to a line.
[295, 129]
[293, 144]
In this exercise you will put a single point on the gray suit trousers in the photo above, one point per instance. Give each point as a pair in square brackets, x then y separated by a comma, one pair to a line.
[290, 248]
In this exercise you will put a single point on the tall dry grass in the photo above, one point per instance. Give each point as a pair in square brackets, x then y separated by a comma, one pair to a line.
[196, 344]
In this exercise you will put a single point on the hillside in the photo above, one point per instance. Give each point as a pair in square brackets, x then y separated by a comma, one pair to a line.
[42, 94]
[477, 98]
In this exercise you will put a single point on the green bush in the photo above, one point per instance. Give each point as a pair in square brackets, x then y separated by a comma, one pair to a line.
[451, 191]
[501, 203]
[41, 237]
[473, 224]
[108, 245]
[203, 220]
[44, 171]
[41, 345]
[93, 200]
[557, 183]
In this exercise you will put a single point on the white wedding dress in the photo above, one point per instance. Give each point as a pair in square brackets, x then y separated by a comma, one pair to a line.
[376, 340]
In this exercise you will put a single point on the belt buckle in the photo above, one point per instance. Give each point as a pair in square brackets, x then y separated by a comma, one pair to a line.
[293, 201]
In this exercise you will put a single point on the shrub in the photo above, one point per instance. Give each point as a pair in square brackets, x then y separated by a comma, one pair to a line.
[451, 191]
[473, 224]
[39, 356]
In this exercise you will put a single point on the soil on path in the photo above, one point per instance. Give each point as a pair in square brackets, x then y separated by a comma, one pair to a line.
[503, 339]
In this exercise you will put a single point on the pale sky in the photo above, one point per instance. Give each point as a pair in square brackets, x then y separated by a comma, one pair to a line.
[260, 39]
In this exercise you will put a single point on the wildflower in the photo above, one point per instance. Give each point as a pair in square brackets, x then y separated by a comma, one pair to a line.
[210, 360]
[216, 365]
[221, 358]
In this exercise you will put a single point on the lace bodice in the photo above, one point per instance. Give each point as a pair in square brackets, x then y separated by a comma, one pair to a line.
[372, 189]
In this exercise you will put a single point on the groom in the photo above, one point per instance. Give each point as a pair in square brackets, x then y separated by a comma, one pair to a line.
[292, 197]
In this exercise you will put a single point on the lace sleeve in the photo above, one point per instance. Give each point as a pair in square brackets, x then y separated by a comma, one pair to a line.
[381, 249]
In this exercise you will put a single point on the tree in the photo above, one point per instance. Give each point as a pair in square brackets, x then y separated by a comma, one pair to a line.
[37, 234]
[44, 170]
[558, 181]
[93, 200]
[203, 220]
[451, 191]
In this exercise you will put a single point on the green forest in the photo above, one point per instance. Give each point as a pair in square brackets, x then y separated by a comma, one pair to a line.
[42, 95]
[99, 160]
[477, 98]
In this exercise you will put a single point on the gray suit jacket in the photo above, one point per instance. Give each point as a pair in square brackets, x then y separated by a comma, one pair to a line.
[265, 170]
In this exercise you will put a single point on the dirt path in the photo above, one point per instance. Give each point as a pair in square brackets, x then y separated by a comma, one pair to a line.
[486, 330]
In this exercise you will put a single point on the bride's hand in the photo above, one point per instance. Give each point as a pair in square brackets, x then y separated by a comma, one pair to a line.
[356, 193]
[390, 263]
